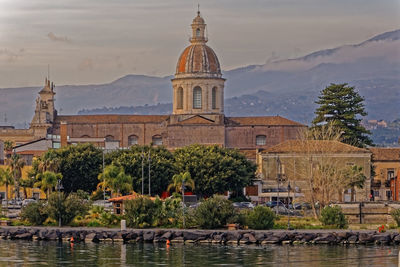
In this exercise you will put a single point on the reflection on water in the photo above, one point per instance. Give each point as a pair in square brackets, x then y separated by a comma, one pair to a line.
[32, 253]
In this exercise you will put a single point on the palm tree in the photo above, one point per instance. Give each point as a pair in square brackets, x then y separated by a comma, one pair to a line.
[6, 179]
[181, 179]
[16, 164]
[49, 162]
[355, 178]
[47, 181]
[115, 179]
[8, 146]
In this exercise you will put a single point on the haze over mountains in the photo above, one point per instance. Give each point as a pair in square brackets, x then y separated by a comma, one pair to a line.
[285, 87]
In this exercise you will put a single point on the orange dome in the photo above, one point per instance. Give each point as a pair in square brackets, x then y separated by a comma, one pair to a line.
[198, 58]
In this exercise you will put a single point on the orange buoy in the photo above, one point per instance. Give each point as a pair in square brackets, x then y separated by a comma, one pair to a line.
[168, 242]
[71, 239]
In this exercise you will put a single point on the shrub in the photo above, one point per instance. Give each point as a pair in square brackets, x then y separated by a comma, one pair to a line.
[34, 212]
[261, 218]
[333, 216]
[66, 206]
[214, 213]
[396, 216]
[140, 212]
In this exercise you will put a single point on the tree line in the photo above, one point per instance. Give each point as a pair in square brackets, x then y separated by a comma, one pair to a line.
[212, 169]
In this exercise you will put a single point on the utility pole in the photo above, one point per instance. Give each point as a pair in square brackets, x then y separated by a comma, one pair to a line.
[183, 202]
[288, 193]
[104, 179]
[149, 170]
[142, 172]
[278, 168]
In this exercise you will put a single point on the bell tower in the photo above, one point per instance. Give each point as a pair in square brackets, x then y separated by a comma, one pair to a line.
[45, 112]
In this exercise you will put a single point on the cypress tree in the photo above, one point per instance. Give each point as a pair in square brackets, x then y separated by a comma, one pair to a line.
[343, 107]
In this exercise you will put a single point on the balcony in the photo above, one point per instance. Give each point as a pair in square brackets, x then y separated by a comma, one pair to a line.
[376, 184]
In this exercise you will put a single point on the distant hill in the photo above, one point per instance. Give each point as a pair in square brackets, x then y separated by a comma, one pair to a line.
[285, 87]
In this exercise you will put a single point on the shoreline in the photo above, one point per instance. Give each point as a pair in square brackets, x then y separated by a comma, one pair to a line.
[239, 237]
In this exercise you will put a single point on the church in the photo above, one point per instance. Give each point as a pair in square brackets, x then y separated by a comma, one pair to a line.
[197, 116]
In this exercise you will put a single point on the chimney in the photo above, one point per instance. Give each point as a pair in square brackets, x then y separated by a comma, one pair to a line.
[63, 134]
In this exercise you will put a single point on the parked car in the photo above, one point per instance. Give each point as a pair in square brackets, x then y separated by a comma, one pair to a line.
[282, 210]
[243, 205]
[27, 201]
[272, 204]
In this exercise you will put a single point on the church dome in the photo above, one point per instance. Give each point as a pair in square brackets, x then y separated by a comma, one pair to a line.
[198, 58]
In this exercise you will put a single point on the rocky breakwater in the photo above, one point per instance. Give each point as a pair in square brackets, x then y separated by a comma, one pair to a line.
[245, 237]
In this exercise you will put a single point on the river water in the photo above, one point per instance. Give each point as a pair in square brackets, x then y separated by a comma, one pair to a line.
[35, 253]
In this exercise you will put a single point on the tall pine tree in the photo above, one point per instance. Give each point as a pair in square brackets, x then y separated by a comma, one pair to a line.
[343, 107]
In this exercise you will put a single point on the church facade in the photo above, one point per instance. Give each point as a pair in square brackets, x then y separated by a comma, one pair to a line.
[197, 116]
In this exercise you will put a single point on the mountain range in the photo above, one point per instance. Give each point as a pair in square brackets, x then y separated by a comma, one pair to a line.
[286, 87]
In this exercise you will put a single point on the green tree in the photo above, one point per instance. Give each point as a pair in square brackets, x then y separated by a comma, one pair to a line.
[261, 218]
[49, 162]
[8, 145]
[356, 178]
[214, 212]
[333, 216]
[79, 166]
[161, 166]
[179, 179]
[342, 106]
[115, 179]
[68, 207]
[35, 213]
[214, 169]
[6, 179]
[47, 181]
[16, 165]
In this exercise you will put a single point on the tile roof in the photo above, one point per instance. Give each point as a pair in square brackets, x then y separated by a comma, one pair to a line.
[263, 120]
[314, 146]
[385, 153]
[128, 197]
[196, 120]
[112, 118]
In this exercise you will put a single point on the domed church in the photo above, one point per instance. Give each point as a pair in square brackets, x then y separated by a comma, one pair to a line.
[197, 116]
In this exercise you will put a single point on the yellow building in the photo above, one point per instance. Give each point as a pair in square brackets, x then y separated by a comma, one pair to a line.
[386, 162]
[30, 192]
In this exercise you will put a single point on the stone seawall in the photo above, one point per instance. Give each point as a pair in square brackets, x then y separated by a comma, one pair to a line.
[333, 237]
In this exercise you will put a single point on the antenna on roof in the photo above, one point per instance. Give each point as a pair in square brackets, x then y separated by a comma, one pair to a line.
[198, 9]
[48, 72]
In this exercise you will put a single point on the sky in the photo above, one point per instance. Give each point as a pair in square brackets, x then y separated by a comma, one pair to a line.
[98, 41]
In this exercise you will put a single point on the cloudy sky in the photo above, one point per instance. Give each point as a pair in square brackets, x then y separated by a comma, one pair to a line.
[97, 41]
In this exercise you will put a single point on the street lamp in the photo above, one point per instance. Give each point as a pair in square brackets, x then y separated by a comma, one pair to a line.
[183, 202]
[288, 193]
[59, 187]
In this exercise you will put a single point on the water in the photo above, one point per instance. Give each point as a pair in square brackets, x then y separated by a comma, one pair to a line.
[33, 253]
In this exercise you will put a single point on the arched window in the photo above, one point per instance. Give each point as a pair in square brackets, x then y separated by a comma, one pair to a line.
[214, 98]
[261, 140]
[109, 138]
[157, 140]
[197, 97]
[197, 32]
[179, 98]
[132, 140]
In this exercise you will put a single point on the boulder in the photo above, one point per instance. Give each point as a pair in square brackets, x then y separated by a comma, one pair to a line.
[24, 236]
[166, 236]
[365, 238]
[382, 238]
[194, 235]
[325, 238]
[148, 236]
